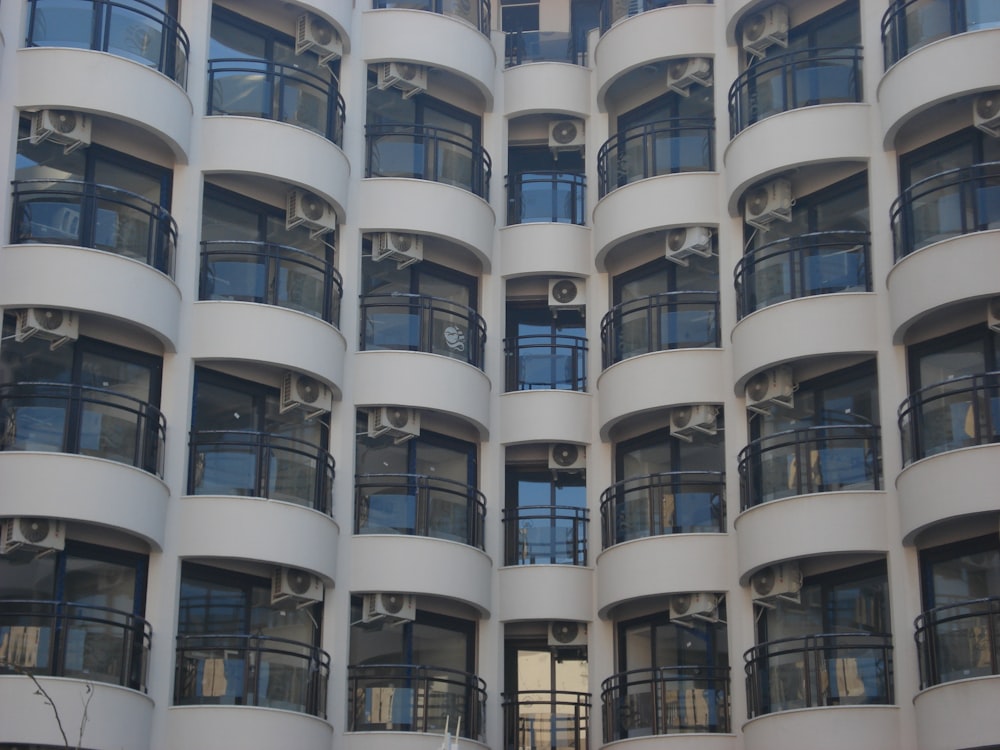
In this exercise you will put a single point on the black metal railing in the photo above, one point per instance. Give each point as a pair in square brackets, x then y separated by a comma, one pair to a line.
[421, 323]
[665, 700]
[615, 10]
[830, 458]
[471, 11]
[546, 361]
[251, 670]
[419, 505]
[830, 669]
[670, 320]
[957, 413]
[81, 641]
[135, 29]
[546, 196]
[274, 91]
[536, 719]
[271, 274]
[428, 153]
[73, 212]
[779, 83]
[681, 144]
[415, 698]
[83, 420]
[908, 25]
[958, 641]
[260, 464]
[949, 204]
[803, 266]
[541, 46]
[545, 535]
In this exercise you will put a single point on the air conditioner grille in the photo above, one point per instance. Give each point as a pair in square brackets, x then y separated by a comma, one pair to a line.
[299, 582]
[565, 632]
[307, 389]
[565, 454]
[758, 386]
[392, 603]
[64, 120]
[564, 291]
[754, 26]
[988, 105]
[564, 131]
[676, 238]
[34, 530]
[321, 31]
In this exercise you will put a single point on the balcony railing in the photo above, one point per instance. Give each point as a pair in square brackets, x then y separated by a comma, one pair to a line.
[959, 641]
[81, 641]
[536, 720]
[72, 212]
[546, 196]
[423, 152]
[665, 700]
[251, 670]
[832, 669]
[779, 83]
[421, 323]
[950, 204]
[78, 419]
[418, 505]
[832, 458]
[415, 698]
[273, 91]
[546, 362]
[133, 29]
[908, 25]
[471, 11]
[541, 46]
[670, 320]
[271, 274]
[260, 464]
[678, 502]
[546, 535]
[803, 266]
[681, 144]
[615, 10]
[957, 413]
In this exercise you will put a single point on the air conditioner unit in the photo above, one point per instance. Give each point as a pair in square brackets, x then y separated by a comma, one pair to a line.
[72, 129]
[683, 242]
[685, 72]
[31, 533]
[313, 33]
[52, 324]
[566, 294]
[993, 314]
[685, 421]
[986, 113]
[301, 391]
[565, 634]
[387, 606]
[783, 581]
[764, 28]
[303, 207]
[402, 247]
[401, 423]
[769, 388]
[410, 78]
[694, 606]
[567, 457]
[566, 135]
[767, 203]
[298, 586]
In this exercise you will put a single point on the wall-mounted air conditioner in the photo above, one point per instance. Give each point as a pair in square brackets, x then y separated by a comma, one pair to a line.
[783, 581]
[566, 634]
[71, 129]
[683, 242]
[566, 294]
[993, 314]
[400, 423]
[389, 606]
[52, 324]
[567, 457]
[314, 34]
[775, 387]
[566, 135]
[765, 28]
[685, 72]
[41, 534]
[304, 207]
[295, 586]
[694, 606]
[402, 247]
[304, 392]
[409, 78]
[986, 113]
[687, 421]
[768, 203]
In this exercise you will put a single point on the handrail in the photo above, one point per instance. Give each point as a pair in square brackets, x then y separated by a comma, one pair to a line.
[549, 361]
[897, 25]
[275, 91]
[787, 81]
[87, 214]
[260, 464]
[958, 641]
[546, 195]
[522, 47]
[531, 717]
[82, 641]
[271, 274]
[138, 30]
[478, 16]
[82, 420]
[419, 505]
[559, 538]
[803, 266]
[251, 670]
[672, 502]
[613, 11]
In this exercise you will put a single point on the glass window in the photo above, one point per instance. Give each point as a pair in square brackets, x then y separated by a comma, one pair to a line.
[545, 351]
[545, 517]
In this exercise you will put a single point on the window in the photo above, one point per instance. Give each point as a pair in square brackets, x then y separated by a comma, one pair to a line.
[519, 15]
[545, 518]
[545, 187]
[545, 351]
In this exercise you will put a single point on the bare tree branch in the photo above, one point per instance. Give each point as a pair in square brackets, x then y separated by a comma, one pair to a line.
[39, 690]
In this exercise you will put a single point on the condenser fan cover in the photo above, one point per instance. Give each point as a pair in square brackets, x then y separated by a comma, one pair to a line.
[312, 206]
[564, 291]
[398, 417]
[763, 582]
[988, 106]
[757, 387]
[565, 454]
[392, 603]
[682, 416]
[565, 632]
[322, 31]
[757, 201]
[754, 27]
[64, 120]
[299, 581]
[307, 390]
[50, 319]
[34, 530]
[676, 238]
[564, 132]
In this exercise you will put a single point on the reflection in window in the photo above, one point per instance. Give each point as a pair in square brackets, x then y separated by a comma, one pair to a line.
[545, 519]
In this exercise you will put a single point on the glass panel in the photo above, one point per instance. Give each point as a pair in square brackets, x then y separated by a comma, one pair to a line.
[136, 35]
[64, 23]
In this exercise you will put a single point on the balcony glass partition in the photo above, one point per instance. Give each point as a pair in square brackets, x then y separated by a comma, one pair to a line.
[909, 25]
[546, 535]
[613, 11]
[541, 46]
[959, 641]
[475, 12]
[670, 320]
[546, 196]
[556, 720]
[546, 362]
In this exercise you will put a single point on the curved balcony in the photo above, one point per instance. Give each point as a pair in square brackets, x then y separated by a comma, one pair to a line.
[680, 144]
[79, 641]
[830, 669]
[613, 11]
[545, 535]
[475, 13]
[418, 505]
[85, 214]
[271, 274]
[959, 641]
[546, 362]
[244, 463]
[423, 698]
[660, 322]
[908, 25]
[547, 196]
[273, 91]
[664, 701]
[536, 718]
[677, 502]
[251, 670]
